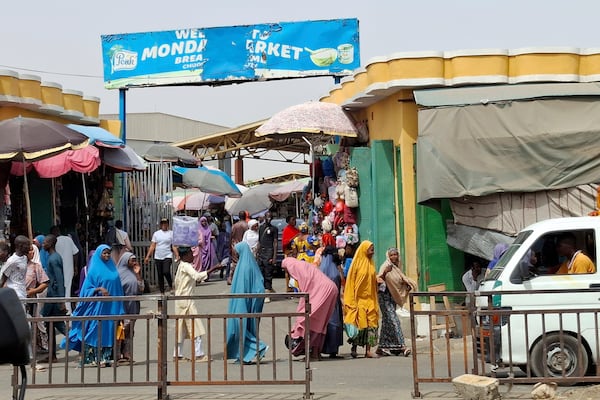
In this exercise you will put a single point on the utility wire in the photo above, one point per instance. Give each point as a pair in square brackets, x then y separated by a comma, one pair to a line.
[53, 73]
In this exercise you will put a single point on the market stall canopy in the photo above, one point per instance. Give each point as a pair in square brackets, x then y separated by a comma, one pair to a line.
[213, 181]
[312, 117]
[82, 160]
[123, 159]
[503, 145]
[254, 200]
[197, 200]
[98, 136]
[168, 153]
[285, 190]
[32, 139]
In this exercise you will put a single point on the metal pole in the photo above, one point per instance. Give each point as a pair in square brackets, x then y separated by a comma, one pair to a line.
[307, 370]
[312, 155]
[123, 118]
[162, 348]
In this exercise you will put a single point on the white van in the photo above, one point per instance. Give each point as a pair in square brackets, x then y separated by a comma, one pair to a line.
[539, 342]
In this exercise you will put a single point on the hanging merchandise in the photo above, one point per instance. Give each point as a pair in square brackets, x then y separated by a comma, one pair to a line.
[318, 202]
[341, 160]
[352, 177]
[332, 193]
[326, 225]
[351, 234]
[351, 197]
[349, 216]
[338, 222]
[340, 190]
[317, 168]
[106, 204]
[328, 167]
[340, 241]
[328, 207]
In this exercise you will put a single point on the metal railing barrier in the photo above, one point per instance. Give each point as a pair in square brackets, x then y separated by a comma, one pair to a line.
[155, 339]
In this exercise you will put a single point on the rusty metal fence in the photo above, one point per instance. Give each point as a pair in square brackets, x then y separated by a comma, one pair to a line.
[451, 336]
[154, 342]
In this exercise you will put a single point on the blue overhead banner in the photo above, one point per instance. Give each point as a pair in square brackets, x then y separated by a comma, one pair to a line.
[231, 54]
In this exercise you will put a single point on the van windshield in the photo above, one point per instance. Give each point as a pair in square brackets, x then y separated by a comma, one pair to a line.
[508, 254]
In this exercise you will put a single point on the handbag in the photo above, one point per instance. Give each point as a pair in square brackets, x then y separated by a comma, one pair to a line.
[120, 331]
[351, 197]
[352, 177]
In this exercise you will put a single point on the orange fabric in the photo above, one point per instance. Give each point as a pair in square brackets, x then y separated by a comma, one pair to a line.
[360, 293]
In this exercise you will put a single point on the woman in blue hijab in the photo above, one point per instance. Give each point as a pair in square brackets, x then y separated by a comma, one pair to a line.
[247, 279]
[102, 280]
[334, 338]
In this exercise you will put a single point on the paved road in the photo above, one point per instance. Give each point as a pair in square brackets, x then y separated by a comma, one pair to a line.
[361, 378]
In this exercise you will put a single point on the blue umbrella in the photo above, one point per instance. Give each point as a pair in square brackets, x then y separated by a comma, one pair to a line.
[98, 136]
[213, 181]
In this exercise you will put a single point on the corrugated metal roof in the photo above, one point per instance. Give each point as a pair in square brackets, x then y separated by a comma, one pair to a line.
[165, 128]
[496, 93]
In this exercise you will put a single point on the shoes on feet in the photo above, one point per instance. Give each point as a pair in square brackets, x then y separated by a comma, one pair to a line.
[267, 299]
[353, 352]
[203, 358]
[383, 352]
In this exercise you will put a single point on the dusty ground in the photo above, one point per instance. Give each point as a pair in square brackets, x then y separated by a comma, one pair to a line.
[582, 393]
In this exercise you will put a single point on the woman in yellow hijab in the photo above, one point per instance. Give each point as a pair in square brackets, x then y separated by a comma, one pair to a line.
[361, 309]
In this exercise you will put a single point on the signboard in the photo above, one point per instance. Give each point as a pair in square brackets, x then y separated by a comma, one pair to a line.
[231, 54]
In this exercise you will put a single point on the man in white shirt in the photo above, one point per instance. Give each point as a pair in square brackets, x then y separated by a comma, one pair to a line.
[472, 278]
[14, 270]
[68, 251]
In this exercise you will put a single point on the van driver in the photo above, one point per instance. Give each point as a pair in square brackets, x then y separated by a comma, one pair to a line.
[576, 262]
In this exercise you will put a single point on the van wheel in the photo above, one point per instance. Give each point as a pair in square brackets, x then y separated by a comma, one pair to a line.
[552, 361]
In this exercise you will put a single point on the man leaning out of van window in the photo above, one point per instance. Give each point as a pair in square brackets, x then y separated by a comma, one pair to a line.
[576, 262]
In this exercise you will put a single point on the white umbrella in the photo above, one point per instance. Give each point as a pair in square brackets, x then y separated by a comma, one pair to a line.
[254, 200]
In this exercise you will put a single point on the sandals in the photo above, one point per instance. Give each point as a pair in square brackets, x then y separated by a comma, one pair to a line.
[353, 352]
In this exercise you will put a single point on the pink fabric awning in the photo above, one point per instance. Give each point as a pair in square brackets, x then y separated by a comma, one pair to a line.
[86, 159]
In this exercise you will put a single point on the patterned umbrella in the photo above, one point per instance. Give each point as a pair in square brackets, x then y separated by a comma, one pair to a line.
[30, 139]
[312, 117]
[197, 200]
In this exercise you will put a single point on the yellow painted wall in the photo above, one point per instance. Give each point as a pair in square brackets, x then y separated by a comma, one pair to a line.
[393, 116]
[12, 112]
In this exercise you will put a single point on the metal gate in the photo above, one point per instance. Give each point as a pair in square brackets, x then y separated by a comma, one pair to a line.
[148, 200]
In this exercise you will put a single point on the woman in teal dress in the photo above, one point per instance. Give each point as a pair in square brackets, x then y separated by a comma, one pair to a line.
[247, 279]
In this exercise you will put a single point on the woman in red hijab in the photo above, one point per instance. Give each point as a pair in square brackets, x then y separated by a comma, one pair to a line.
[287, 236]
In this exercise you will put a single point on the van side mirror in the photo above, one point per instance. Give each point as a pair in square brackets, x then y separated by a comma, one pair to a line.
[15, 334]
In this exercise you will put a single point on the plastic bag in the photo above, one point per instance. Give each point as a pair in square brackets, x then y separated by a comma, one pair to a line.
[185, 231]
[351, 330]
